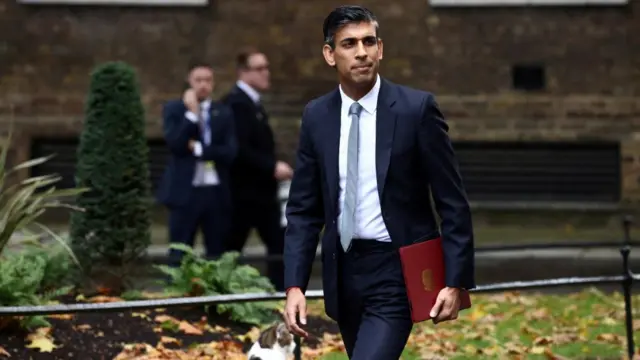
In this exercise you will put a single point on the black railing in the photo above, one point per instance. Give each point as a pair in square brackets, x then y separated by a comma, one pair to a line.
[626, 279]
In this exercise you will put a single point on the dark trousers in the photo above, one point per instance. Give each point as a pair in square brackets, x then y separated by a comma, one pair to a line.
[374, 315]
[264, 216]
[208, 209]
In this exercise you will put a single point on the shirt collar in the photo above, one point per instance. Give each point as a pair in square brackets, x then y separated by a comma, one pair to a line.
[205, 104]
[251, 92]
[369, 102]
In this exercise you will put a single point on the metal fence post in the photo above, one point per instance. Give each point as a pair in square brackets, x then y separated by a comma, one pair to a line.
[297, 353]
[627, 282]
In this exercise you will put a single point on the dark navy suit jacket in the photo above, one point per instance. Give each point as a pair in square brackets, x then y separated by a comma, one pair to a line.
[178, 130]
[414, 157]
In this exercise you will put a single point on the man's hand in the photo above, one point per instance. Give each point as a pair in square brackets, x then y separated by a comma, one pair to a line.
[447, 305]
[283, 171]
[190, 101]
[192, 144]
[296, 304]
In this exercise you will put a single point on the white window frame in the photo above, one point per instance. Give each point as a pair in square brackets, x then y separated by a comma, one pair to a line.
[479, 3]
[118, 2]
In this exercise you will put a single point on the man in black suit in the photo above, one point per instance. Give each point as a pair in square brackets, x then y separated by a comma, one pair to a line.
[370, 154]
[256, 172]
[195, 188]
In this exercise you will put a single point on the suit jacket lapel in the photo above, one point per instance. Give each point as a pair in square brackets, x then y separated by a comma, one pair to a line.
[385, 127]
[261, 113]
[332, 146]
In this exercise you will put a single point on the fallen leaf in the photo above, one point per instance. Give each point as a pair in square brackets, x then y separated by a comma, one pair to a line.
[551, 356]
[104, 299]
[189, 329]
[83, 327]
[166, 318]
[542, 340]
[538, 314]
[251, 336]
[61, 316]
[611, 338]
[170, 340]
[538, 350]
[140, 315]
[41, 340]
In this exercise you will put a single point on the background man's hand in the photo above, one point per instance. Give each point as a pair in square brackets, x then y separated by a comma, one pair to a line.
[296, 304]
[190, 101]
[447, 305]
[283, 171]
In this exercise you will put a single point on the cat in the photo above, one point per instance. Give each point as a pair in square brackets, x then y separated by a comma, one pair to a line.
[274, 343]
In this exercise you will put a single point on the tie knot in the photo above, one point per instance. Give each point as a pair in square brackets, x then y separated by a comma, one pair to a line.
[355, 109]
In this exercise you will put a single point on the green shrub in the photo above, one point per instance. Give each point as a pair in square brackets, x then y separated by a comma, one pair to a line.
[197, 276]
[113, 232]
[34, 276]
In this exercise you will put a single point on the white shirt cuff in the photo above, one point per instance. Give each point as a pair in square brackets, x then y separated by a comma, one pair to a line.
[197, 149]
[191, 116]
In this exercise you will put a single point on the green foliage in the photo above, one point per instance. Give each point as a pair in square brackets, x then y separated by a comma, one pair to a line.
[34, 276]
[198, 276]
[21, 203]
[114, 231]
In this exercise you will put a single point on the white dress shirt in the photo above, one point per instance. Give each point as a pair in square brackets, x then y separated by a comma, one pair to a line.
[251, 92]
[205, 173]
[369, 222]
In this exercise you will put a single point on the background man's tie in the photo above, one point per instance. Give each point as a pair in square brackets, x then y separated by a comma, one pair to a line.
[205, 126]
[347, 227]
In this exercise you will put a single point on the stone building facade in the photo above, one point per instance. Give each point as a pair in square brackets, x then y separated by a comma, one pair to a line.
[563, 75]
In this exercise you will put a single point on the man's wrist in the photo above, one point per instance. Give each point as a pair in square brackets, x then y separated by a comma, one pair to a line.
[291, 288]
[191, 116]
[197, 148]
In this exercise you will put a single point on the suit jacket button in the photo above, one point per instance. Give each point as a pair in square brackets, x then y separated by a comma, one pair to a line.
[333, 256]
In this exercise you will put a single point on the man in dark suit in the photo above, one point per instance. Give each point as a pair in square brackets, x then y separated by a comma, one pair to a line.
[200, 135]
[370, 155]
[256, 172]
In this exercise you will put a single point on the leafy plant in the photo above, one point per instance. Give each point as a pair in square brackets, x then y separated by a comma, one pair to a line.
[34, 276]
[112, 235]
[30, 278]
[22, 202]
[197, 276]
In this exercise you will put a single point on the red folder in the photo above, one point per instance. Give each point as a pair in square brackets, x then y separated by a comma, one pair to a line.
[424, 272]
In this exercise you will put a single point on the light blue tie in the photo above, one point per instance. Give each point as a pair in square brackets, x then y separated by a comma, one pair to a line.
[206, 126]
[348, 222]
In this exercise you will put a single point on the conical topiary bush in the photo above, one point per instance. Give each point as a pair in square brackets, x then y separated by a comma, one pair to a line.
[113, 232]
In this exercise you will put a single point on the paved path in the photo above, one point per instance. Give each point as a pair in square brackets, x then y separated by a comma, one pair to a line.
[160, 251]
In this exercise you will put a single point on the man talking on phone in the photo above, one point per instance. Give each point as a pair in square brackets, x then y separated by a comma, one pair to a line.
[195, 188]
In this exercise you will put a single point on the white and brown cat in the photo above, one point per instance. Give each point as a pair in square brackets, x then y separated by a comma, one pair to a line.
[274, 343]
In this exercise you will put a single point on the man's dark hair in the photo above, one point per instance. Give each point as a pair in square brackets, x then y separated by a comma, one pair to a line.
[242, 59]
[198, 64]
[344, 15]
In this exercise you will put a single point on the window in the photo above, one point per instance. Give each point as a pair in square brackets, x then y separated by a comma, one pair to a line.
[540, 172]
[119, 2]
[473, 3]
[529, 77]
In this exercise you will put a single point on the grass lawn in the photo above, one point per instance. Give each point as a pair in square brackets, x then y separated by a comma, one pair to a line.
[588, 324]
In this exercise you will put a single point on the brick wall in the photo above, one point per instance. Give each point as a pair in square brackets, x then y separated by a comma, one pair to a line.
[591, 57]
